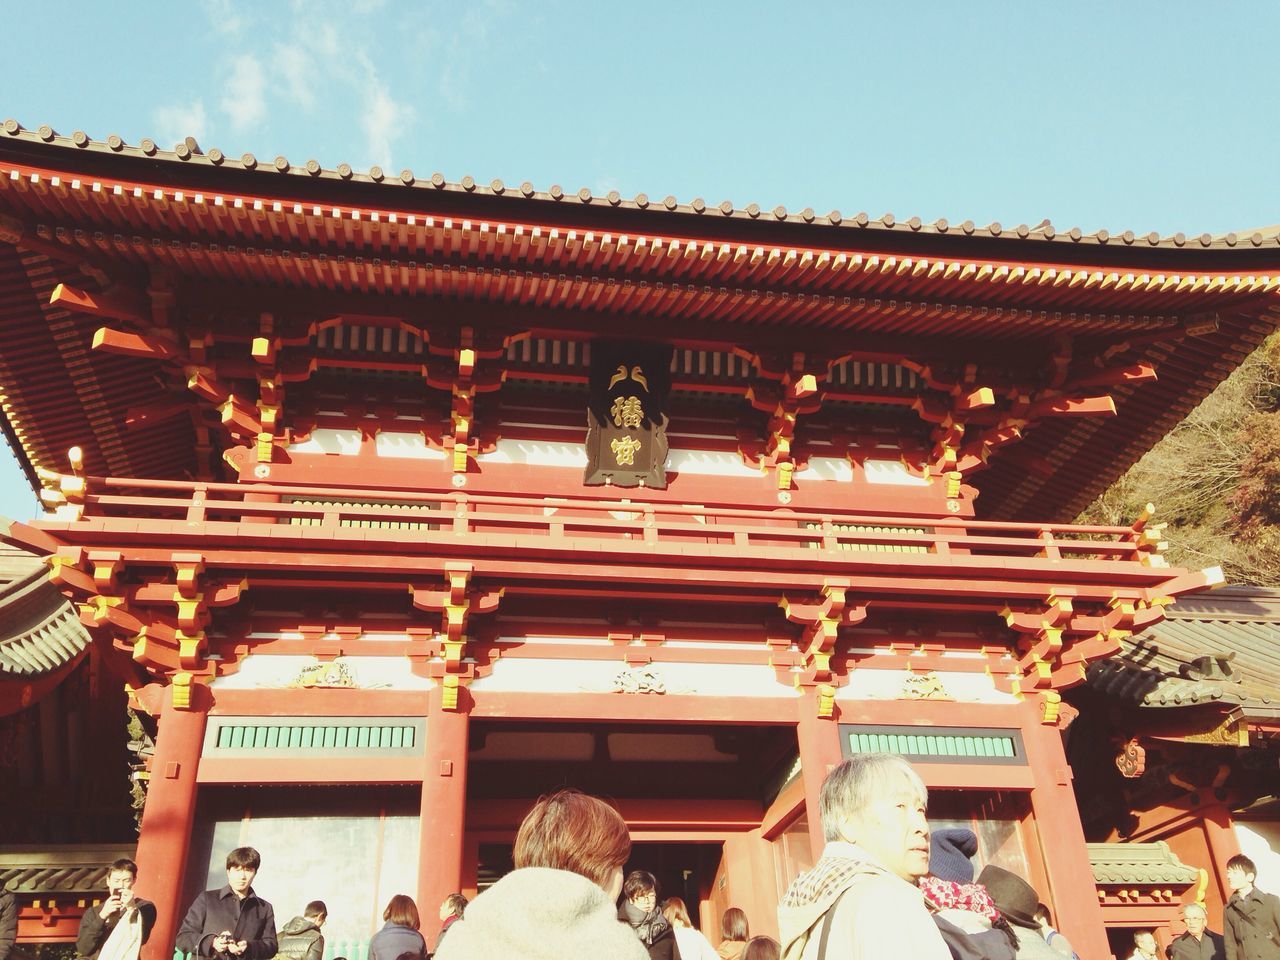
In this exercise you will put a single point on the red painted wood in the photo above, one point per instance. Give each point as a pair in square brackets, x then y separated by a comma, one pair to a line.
[168, 817]
[303, 770]
[819, 742]
[1066, 858]
[640, 708]
[441, 850]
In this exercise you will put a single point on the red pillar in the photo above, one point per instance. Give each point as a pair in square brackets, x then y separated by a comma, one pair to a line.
[1220, 838]
[1071, 892]
[819, 741]
[444, 796]
[169, 815]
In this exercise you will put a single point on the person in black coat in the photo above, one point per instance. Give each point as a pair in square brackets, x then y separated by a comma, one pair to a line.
[640, 911]
[97, 923]
[231, 921]
[1251, 918]
[1197, 943]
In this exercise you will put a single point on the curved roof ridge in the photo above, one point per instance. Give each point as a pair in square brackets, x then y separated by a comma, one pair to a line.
[189, 152]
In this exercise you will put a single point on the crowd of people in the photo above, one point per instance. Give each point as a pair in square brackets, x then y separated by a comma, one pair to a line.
[884, 886]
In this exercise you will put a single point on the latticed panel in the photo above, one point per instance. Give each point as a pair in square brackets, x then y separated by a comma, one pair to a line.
[259, 737]
[955, 745]
[373, 523]
[282, 737]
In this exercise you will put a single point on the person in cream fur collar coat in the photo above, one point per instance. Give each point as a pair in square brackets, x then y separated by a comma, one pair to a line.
[560, 901]
[541, 914]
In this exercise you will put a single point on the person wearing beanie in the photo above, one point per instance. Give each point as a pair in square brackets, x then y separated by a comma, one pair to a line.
[969, 922]
[1017, 901]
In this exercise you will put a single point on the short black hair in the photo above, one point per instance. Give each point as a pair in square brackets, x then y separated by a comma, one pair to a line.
[638, 883]
[244, 857]
[1244, 863]
[316, 908]
[124, 863]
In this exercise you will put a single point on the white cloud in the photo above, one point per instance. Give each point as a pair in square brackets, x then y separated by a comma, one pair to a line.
[297, 69]
[244, 97]
[225, 17]
[383, 117]
[177, 121]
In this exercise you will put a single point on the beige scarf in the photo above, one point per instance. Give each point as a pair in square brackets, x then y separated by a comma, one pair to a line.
[125, 940]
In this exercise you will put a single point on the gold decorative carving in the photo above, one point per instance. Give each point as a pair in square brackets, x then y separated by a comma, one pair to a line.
[324, 675]
[924, 686]
[639, 680]
[1132, 760]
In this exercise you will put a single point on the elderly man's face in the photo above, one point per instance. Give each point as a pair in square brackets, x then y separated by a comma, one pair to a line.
[893, 828]
[1146, 943]
[1195, 921]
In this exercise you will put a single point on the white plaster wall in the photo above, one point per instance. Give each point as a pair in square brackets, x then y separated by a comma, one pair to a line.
[1260, 842]
[264, 671]
[520, 674]
[882, 684]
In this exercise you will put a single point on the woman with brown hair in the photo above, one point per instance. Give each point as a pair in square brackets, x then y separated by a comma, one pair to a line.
[693, 945]
[734, 934]
[559, 902]
[399, 935]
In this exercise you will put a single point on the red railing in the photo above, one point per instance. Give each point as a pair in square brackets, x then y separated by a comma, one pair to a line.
[415, 515]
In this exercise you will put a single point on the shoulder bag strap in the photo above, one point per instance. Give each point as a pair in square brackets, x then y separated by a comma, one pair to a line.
[826, 925]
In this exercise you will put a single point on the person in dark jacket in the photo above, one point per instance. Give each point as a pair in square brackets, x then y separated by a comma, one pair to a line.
[399, 935]
[301, 938]
[968, 920]
[1197, 943]
[640, 911]
[451, 910]
[231, 921]
[1251, 919]
[96, 925]
[1017, 901]
[8, 922]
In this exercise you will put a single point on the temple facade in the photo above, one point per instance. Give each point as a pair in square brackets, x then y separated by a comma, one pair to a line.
[394, 503]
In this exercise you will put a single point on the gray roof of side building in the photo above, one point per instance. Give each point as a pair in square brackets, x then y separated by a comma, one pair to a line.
[1219, 647]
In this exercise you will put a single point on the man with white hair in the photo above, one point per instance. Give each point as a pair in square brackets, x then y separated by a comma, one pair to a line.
[861, 900]
[1197, 943]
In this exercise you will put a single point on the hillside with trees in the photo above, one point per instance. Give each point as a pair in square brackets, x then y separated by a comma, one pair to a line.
[1215, 479]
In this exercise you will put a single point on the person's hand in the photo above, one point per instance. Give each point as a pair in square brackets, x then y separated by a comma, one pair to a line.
[111, 906]
[126, 897]
[239, 947]
[222, 942]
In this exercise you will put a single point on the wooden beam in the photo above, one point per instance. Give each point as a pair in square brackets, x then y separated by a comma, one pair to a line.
[108, 340]
[113, 304]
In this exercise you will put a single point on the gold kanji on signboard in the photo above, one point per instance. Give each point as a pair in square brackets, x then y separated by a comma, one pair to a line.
[627, 412]
[624, 450]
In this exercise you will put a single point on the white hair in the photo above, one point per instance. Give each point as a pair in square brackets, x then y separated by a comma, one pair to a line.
[1197, 908]
[852, 787]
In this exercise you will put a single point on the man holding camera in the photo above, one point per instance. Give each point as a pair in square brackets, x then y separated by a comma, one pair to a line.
[118, 929]
[231, 921]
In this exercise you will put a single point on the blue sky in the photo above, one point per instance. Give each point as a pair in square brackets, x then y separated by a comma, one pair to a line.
[1136, 115]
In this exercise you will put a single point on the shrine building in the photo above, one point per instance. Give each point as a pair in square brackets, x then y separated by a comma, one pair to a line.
[395, 503]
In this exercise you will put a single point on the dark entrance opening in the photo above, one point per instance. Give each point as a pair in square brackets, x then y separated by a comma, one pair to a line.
[684, 870]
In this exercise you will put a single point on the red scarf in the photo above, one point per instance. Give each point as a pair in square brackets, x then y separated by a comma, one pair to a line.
[948, 895]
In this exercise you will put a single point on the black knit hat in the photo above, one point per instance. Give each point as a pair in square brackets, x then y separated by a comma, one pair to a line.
[1014, 897]
[949, 851]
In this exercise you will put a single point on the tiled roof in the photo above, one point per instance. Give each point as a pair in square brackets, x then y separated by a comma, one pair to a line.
[39, 630]
[189, 153]
[1191, 309]
[49, 870]
[1138, 864]
[1217, 647]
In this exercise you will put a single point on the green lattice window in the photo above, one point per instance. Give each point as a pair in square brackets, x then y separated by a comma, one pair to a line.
[243, 736]
[932, 744]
